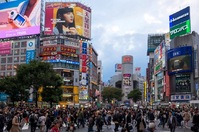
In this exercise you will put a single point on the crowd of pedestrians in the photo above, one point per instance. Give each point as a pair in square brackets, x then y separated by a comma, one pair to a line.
[15, 119]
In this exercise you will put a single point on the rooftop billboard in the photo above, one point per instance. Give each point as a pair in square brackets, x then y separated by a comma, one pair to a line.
[67, 18]
[180, 29]
[180, 60]
[179, 17]
[19, 18]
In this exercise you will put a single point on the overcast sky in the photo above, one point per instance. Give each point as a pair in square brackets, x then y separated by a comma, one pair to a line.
[120, 27]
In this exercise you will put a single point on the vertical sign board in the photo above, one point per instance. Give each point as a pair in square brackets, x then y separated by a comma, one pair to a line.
[30, 50]
[179, 23]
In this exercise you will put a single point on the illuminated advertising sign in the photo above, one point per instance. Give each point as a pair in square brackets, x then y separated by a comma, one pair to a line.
[19, 18]
[83, 93]
[179, 17]
[30, 55]
[180, 29]
[67, 18]
[118, 67]
[183, 83]
[184, 97]
[159, 58]
[167, 84]
[5, 48]
[180, 60]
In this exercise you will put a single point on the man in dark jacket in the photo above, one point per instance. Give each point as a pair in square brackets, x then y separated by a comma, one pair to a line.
[116, 120]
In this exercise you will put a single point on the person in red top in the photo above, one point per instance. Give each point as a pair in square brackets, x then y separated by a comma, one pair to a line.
[56, 126]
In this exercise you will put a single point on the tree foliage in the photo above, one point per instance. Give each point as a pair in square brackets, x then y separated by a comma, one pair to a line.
[110, 93]
[135, 94]
[38, 74]
[16, 90]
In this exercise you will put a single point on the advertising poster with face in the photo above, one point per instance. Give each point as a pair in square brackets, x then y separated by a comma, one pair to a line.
[67, 18]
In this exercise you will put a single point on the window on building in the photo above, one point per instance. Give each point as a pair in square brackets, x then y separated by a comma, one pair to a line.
[23, 51]
[14, 73]
[3, 60]
[23, 44]
[2, 74]
[17, 45]
[16, 52]
[16, 59]
[3, 67]
[23, 59]
[9, 67]
[10, 59]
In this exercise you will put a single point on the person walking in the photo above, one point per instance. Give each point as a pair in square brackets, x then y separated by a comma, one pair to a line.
[15, 123]
[172, 122]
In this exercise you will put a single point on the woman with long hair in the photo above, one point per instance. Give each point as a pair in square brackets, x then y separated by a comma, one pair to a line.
[65, 22]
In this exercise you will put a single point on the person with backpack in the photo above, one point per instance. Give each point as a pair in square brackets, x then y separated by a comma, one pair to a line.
[2, 121]
[33, 121]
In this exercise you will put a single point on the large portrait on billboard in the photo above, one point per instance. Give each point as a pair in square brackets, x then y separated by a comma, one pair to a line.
[67, 18]
[19, 18]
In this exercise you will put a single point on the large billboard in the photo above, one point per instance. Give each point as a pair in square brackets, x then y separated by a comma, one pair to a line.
[180, 60]
[179, 23]
[67, 18]
[179, 17]
[20, 18]
[180, 29]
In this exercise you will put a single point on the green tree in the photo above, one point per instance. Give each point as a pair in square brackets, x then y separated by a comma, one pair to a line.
[110, 93]
[53, 92]
[38, 74]
[135, 94]
[16, 90]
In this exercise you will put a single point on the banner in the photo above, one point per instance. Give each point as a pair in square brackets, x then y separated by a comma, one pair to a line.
[19, 18]
[67, 18]
[5, 48]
